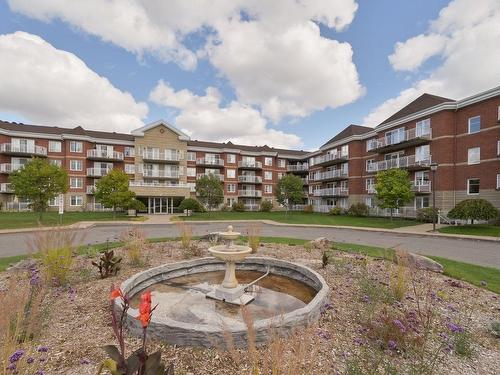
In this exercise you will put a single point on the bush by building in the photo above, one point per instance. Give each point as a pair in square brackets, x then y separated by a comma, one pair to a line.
[266, 206]
[427, 215]
[474, 209]
[239, 207]
[308, 209]
[358, 209]
[191, 204]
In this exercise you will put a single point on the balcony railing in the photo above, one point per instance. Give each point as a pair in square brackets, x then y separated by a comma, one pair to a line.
[331, 158]
[250, 179]
[147, 184]
[5, 188]
[249, 193]
[18, 206]
[371, 189]
[401, 162]
[249, 164]
[409, 212]
[297, 167]
[422, 187]
[328, 175]
[9, 168]
[98, 172]
[90, 189]
[167, 155]
[156, 173]
[220, 176]
[399, 138]
[9, 148]
[331, 192]
[209, 161]
[305, 180]
[104, 154]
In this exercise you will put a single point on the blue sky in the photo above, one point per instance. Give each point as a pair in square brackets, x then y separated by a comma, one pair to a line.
[379, 88]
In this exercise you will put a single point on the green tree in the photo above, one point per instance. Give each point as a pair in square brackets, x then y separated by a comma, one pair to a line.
[289, 190]
[39, 181]
[112, 191]
[393, 189]
[473, 209]
[136, 205]
[209, 190]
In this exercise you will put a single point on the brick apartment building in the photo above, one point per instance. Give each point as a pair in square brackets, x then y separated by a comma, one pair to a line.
[462, 137]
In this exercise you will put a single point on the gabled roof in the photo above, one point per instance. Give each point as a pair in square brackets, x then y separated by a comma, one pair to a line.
[424, 101]
[231, 145]
[140, 132]
[348, 132]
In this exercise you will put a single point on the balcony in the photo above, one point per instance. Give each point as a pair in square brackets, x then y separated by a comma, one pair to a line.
[337, 174]
[305, 180]
[248, 164]
[90, 189]
[210, 162]
[147, 184]
[400, 140]
[9, 168]
[161, 174]
[219, 176]
[96, 154]
[8, 148]
[5, 188]
[407, 162]
[250, 193]
[330, 159]
[252, 207]
[331, 192]
[167, 156]
[421, 187]
[250, 179]
[98, 172]
[371, 189]
[298, 168]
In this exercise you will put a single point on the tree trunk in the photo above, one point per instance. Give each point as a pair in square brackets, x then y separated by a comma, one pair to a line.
[114, 212]
[391, 213]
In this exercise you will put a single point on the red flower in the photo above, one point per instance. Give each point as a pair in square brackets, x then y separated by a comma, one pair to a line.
[145, 309]
[115, 293]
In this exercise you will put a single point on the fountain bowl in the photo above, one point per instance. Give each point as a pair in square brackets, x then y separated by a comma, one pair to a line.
[235, 253]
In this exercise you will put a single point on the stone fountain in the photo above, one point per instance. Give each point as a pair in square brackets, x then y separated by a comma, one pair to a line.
[229, 290]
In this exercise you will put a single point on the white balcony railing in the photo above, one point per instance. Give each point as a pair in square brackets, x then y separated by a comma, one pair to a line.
[323, 208]
[250, 179]
[249, 164]
[18, 206]
[90, 189]
[98, 172]
[337, 173]
[305, 180]
[297, 167]
[147, 184]
[401, 162]
[104, 154]
[334, 156]
[252, 207]
[210, 161]
[220, 176]
[5, 188]
[398, 137]
[371, 189]
[331, 192]
[409, 212]
[157, 173]
[421, 187]
[250, 193]
[31, 150]
[166, 155]
[9, 168]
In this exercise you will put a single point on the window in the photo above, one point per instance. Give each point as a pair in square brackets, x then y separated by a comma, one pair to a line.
[75, 165]
[280, 175]
[129, 152]
[57, 162]
[76, 200]
[421, 202]
[422, 178]
[370, 164]
[231, 173]
[370, 184]
[231, 158]
[344, 167]
[474, 124]
[422, 153]
[268, 175]
[191, 156]
[474, 155]
[231, 188]
[268, 161]
[423, 127]
[191, 186]
[54, 146]
[369, 201]
[473, 186]
[76, 183]
[311, 162]
[395, 136]
[281, 163]
[191, 172]
[130, 168]
[54, 202]
[344, 150]
[371, 144]
[498, 148]
[498, 180]
[268, 189]
[75, 146]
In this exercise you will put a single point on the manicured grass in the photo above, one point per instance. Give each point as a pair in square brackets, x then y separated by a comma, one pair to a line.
[304, 218]
[473, 230]
[11, 220]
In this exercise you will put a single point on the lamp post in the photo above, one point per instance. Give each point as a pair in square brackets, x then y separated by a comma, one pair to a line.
[434, 167]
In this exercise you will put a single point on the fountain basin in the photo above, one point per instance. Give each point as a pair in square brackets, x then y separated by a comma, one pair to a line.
[236, 253]
[212, 328]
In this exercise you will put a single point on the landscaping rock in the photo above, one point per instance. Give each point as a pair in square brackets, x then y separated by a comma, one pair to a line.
[24, 264]
[422, 263]
[211, 237]
[321, 243]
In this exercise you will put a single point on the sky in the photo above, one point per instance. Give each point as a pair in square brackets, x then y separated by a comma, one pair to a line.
[284, 73]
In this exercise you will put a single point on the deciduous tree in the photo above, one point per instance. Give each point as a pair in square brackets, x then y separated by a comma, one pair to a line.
[112, 191]
[289, 190]
[393, 189]
[210, 191]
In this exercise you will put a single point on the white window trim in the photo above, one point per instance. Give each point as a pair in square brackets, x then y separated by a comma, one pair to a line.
[233, 172]
[472, 118]
[498, 148]
[498, 180]
[468, 156]
[468, 185]
[78, 162]
[75, 179]
[266, 174]
[266, 159]
[75, 143]
[75, 205]
[59, 148]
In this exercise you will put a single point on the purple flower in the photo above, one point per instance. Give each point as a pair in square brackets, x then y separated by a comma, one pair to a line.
[30, 360]
[366, 299]
[400, 325]
[358, 341]
[452, 308]
[455, 328]
[40, 372]
[42, 349]
[11, 367]
[84, 361]
[16, 356]
[392, 345]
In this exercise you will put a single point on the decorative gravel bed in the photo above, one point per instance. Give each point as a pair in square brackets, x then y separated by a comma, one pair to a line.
[348, 337]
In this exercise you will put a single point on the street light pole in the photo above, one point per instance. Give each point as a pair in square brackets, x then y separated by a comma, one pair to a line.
[434, 167]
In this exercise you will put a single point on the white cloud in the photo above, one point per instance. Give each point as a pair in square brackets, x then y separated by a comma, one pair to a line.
[272, 52]
[470, 55]
[205, 118]
[51, 86]
[412, 53]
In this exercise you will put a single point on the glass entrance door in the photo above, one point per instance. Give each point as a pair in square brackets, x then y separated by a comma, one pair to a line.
[159, 205]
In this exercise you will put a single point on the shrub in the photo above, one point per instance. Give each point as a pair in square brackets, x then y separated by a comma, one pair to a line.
[254, 238]
[336, 211]
[191, 204]
[224, 208]
[325, 259]
[398, 276]
[427, 214]
[495, 329]
[185, 234]
[239, 207]
[134, 241]
[358, 209]
[108, 265]
[266, 206]
[462, 344]
[308, 209]
[473, 209]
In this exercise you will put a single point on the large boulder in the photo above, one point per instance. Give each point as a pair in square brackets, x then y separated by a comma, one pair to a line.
[24, 264]
[213, 237]
[321, 243]
[419, 262]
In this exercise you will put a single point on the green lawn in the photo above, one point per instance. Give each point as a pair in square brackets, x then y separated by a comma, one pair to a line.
[11, 220]
[304, 218]
[473, 230]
